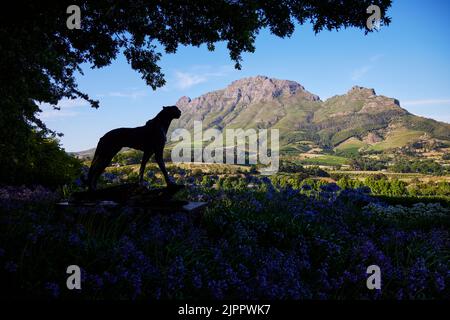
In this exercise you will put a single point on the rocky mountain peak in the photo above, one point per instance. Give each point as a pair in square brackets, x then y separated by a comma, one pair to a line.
[263, 102]
[262, 88]
[357, 90]
[245, 92]
[372, 103]
[183, 102]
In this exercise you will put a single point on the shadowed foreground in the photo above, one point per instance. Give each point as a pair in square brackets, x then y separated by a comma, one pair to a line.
[260, 243]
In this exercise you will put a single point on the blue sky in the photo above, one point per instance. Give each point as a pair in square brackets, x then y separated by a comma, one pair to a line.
[409, 60]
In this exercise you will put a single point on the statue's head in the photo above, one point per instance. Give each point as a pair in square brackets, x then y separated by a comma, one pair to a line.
[172, 111]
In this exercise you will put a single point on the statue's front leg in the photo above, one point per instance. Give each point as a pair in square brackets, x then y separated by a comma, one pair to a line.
[145, 158]
[160, 161]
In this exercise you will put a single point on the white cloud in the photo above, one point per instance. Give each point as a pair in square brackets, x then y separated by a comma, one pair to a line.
[67, 109]
[186, 80]
[72, 103]
[199, 74]
[53, 114]
[360, 72]
[426, 102]
[130, 94]
[376, 57]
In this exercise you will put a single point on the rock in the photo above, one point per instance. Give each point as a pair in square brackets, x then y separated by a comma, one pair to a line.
[372, 138]
[183, 102]
[362, 91]
[263, 103]
[261, 88]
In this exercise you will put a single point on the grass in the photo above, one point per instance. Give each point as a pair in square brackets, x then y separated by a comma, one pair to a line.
[217, 168]
[351, 146]
[337, 105]
[325, 160]
[396, 139]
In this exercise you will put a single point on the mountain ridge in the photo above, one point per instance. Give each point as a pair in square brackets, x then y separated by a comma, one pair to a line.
[358, 118]
[263, 102]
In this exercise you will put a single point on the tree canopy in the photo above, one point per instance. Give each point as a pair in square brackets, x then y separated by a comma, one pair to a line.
[40, 55]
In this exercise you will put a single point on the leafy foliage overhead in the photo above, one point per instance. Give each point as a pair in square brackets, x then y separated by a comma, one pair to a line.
[40, 55]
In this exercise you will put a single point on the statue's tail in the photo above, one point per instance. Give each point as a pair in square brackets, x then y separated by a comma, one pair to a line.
[93, 173]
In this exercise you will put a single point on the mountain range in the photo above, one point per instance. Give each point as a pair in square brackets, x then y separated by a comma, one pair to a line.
[357, 120]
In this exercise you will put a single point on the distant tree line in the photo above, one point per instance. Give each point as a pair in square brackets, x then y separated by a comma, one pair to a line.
[423, 166]
[368, 164]
[418, 166]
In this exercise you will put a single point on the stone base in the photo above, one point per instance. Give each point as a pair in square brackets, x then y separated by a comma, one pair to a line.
[136, 196]
[185, 206]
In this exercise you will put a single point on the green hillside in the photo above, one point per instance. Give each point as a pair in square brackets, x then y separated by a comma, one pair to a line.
[357, 120]
[342, 122]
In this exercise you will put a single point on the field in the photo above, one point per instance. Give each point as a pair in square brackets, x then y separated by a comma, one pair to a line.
[397, 139]
[284, 237]
[350, 146]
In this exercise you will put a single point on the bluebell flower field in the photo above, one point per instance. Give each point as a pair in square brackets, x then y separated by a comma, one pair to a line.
[255, 240]
[223, 159]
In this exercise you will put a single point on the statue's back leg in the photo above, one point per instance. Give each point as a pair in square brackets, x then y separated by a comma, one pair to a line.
[102, 158]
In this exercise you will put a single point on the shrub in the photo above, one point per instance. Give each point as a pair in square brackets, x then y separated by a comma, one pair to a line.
[418, 166]
[43, 162]
[261, 244]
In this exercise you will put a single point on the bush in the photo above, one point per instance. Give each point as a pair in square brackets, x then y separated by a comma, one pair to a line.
[248, 244]
[418, 166]
[368, 164]
[128, 157]
[380, 184]
[348, 183]
[290, 167]
[43, 162]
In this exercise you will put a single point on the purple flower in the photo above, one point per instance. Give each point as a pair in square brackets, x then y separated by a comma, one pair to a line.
[176, 274]
[11, 266]
[109, 278]
[417, 277]
[331, 187]
[439, 282]
[217, 288]
[109, 177]
[364, 190]
[78, 182]
[75, 240]
[197, 280]
[53, 289]
[400, 294]
[96, 281]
